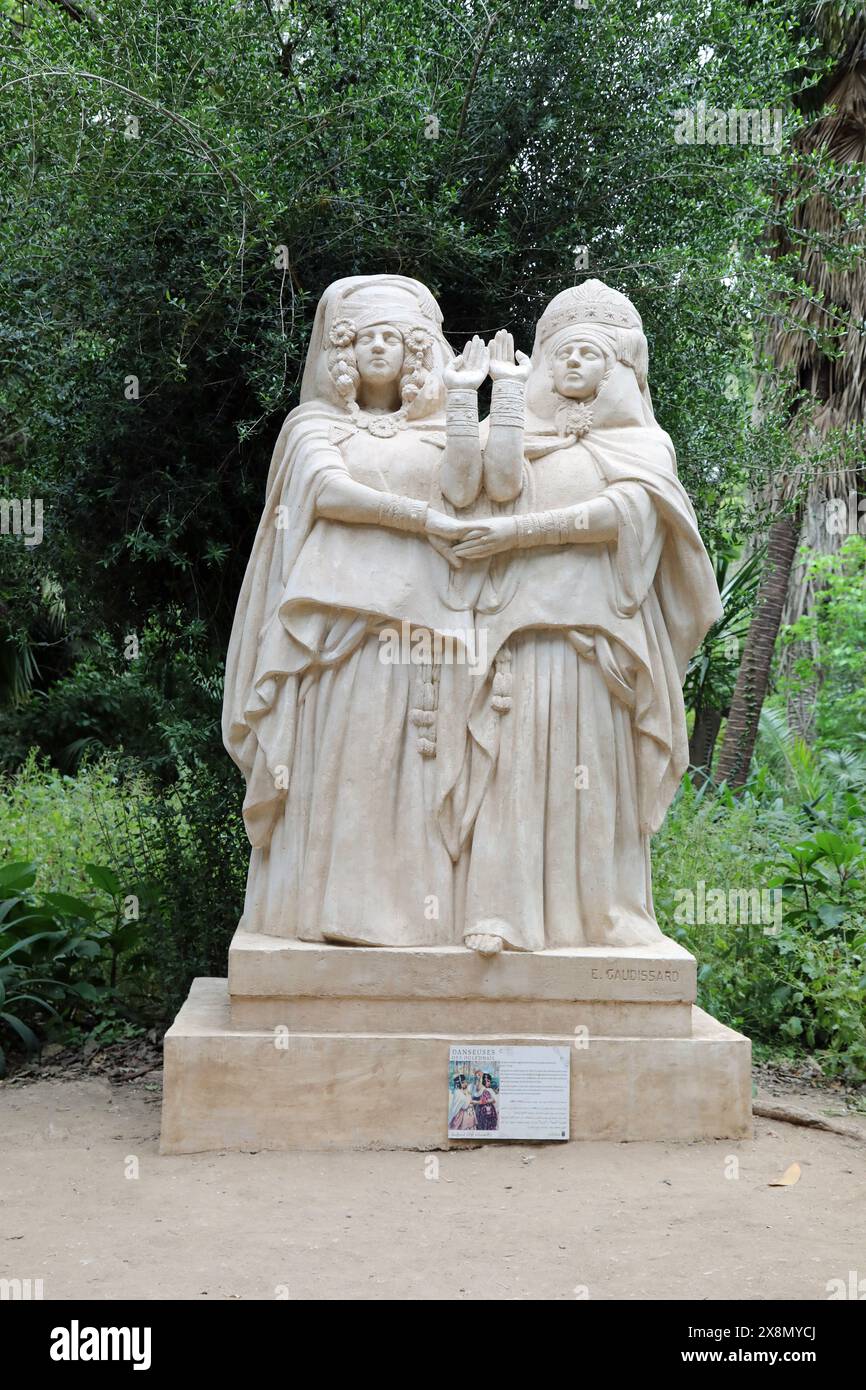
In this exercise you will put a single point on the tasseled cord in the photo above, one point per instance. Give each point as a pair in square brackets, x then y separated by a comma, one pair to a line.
[502, 680]
[423, 716]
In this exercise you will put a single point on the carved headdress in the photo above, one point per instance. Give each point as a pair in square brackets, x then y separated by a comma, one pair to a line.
[357, 302]
[603, 316]
[590, 302]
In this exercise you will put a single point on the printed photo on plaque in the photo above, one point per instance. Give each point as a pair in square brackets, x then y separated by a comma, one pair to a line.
[508, 1092]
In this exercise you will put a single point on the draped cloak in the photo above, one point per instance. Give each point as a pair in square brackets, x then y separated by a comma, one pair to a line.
[637, 608]
[339, 803]
[316, 591]
[310, 589]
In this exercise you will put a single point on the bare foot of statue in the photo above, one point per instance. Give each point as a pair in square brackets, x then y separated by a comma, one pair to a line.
[485, 943]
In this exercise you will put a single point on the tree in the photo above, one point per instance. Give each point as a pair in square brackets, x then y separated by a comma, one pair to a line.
[825, 243]
[180, 182]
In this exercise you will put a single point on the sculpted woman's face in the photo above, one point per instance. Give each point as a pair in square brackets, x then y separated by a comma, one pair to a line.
[578, 368]
[379, 354]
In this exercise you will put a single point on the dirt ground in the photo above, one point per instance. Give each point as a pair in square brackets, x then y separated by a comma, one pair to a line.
[603, 1221]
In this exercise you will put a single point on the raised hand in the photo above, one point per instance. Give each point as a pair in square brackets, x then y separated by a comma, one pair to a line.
[504, 362]
[469, 369]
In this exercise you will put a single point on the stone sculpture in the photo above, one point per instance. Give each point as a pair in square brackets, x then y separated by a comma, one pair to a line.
[500, 791]
[454, 687]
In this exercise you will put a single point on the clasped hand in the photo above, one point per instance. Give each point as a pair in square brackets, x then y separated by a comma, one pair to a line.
[469, 540]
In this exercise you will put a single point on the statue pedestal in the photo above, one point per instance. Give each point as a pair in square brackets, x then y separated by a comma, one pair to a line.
[309, 1046]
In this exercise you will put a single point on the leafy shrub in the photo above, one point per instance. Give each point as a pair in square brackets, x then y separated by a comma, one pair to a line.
[794, 983]
[831, 661]
[183, 849]
[154, 696]
[60, 955]
[191, 847]
[61, 822]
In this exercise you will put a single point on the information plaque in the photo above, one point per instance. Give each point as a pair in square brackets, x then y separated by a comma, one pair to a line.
[508, 1092]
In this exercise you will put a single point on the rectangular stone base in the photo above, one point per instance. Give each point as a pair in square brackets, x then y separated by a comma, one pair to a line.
[276, 966]
[234, 1087]
[313, 987]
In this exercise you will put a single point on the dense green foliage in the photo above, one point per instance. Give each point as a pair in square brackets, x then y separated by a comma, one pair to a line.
[833, 638]
[116, 946]
[788, 977]
[155, 161]
[60, 955]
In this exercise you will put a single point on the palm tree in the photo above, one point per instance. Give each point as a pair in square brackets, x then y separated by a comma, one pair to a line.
[709, 682]
[836, 384]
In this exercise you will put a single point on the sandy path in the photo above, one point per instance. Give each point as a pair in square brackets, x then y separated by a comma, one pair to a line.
[621, 1220]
